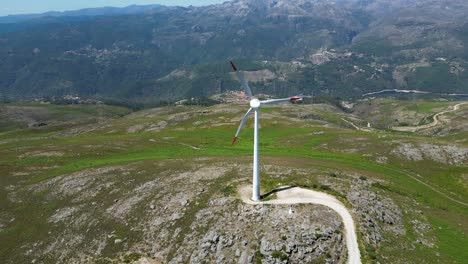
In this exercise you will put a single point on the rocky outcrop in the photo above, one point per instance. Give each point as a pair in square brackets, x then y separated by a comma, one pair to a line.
[446, 154]
[271, 234]
[376, 214]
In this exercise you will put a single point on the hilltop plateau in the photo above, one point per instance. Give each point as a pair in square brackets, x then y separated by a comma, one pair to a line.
[105, 184]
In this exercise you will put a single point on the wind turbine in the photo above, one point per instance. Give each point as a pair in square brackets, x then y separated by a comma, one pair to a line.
[255, 105]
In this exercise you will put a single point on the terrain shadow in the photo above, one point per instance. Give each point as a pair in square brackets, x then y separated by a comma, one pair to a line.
[284, 188]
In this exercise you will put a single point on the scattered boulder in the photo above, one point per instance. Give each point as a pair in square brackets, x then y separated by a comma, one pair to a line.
[41, 124]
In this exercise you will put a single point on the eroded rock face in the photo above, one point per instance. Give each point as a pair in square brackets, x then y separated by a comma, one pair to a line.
[239, 233]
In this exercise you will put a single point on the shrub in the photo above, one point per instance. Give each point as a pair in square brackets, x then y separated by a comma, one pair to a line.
[129, 258]
[228, 190]
[279, 255]
[371, 252]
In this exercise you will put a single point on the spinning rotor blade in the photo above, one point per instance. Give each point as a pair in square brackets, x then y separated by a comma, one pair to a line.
[277, 101]
[244, 119]
[274, 101]
[242, 80]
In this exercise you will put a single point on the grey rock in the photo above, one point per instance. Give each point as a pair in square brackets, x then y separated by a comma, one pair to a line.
[244, 257]
[220, 259]
[206, 245]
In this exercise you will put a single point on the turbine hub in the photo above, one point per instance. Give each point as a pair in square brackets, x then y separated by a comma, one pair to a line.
[255, 103]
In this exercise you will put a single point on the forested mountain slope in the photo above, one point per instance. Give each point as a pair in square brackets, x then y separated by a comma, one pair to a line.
[342, 48]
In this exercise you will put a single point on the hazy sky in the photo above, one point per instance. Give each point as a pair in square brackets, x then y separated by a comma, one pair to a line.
[10, 7]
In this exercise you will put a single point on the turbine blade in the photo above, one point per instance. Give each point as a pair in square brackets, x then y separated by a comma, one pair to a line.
[244, 83]
[296, 98]
[274, 101]
[278, 101]
[244, 119]
[234, 68]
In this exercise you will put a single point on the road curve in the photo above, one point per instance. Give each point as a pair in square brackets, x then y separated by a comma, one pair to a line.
[356, 127]
[435, 120]
[303, 196]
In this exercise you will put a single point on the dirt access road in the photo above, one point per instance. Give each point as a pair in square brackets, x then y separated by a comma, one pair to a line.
[435, 120]
[297, 195]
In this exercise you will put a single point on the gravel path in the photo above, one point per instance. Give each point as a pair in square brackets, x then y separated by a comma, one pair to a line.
[435, 120]
[300, 196]
[356, 127]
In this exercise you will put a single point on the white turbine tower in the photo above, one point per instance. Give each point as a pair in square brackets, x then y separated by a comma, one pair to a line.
[255, 105]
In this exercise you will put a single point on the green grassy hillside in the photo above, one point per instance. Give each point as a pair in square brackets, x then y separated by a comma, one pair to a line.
[67, 181]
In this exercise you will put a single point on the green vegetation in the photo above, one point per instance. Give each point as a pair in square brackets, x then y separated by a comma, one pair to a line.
[228, 190]
[129, 258]
[424, 106]
[19, 115]
[200, 101]
[402, 111]
[279, 255]
[370, 251]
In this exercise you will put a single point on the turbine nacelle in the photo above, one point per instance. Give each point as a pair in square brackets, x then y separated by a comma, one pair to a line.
[255, 103]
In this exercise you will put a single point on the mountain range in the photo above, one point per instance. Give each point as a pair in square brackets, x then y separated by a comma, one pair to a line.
[150, 53]
[100, 11]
